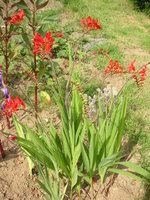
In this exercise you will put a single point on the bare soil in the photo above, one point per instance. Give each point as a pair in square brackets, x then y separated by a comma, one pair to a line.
[16, 184]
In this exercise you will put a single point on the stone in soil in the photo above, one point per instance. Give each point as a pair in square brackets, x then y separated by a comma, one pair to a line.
[93, 43]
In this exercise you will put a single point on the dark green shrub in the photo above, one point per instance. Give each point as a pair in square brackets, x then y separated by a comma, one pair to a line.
[143, 5]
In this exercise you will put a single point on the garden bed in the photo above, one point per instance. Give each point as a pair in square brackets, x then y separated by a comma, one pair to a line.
[74, 79]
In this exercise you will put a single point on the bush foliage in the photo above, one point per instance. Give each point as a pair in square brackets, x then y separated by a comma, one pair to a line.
[143, 5]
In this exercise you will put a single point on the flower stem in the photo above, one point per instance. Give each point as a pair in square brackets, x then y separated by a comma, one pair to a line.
[6, 60]
[35, 65]
[6, 56]
[2, 150]
[6, 45]
[8, 122]
[36, 101]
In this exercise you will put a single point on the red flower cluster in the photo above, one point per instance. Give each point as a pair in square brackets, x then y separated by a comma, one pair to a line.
[41, 47]
[12, 105]
[90, 24]
[142, 73]
[113, 68]
[17, 17]
[140, 76]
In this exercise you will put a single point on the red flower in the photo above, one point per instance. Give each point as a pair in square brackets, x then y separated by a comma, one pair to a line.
[114, 67]
[132, 67]
[12, 105]
[59, 35]
[140, 77]
[41, 47]
[90, 24]
[82, 24]
[142, 74]
[12, 137]
[17, 17]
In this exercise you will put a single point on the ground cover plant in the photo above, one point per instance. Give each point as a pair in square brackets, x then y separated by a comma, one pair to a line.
[73, 155]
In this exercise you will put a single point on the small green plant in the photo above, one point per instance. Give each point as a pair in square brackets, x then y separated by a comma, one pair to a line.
[50, 183]
[77, 159]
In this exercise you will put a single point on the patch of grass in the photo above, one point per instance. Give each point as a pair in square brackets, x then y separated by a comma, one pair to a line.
[122, 25]
[90, 88]
[138, 123]
[74, 5]
[145, 43]
[113, 51]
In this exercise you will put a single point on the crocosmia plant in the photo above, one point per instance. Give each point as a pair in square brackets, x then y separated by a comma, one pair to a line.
[43, 47]
[17, 18]
[9, 105]
[90, 23]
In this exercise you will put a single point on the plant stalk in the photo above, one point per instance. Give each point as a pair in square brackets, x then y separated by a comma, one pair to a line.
[2, 150]
[8, 122]
[6, 44]
[6, 55]
[36, 101]
[35, 65]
